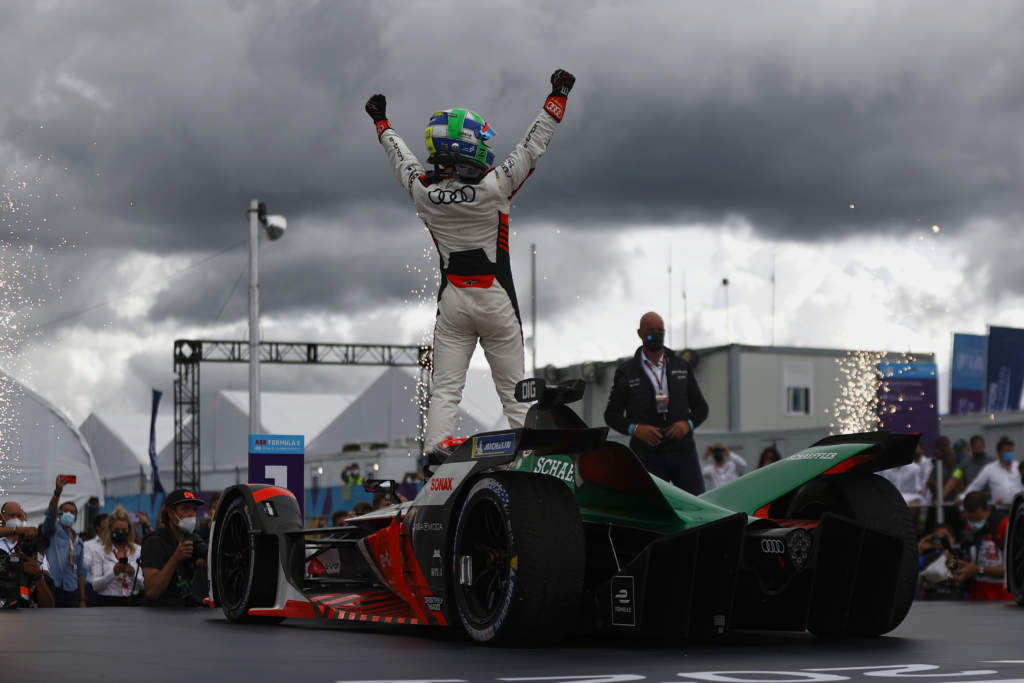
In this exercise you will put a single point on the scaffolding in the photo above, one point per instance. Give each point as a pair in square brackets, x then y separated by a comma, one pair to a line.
[190, 353]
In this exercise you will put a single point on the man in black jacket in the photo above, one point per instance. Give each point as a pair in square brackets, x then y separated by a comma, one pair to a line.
[655, 399]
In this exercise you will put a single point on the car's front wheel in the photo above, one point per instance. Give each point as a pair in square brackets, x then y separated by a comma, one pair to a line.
[519, 559]
[242, 578]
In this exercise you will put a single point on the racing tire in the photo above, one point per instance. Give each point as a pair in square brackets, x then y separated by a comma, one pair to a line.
[519, 547]
[242, 578]
[1015, 552]
[877, 504]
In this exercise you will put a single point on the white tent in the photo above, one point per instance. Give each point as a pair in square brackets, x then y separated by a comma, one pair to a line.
[120, 444]
[224, 431]
[387, 412]
[38, 443]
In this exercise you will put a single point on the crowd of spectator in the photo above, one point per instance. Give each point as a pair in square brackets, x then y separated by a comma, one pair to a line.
[122, 562]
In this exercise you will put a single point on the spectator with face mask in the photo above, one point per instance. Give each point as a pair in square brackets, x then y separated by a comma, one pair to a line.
[983, 538]
[113, 569]
[19, 539]
[173, 558]
[999, 477]
[66, 552]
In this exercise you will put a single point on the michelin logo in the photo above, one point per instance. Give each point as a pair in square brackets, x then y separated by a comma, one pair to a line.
[494, 445]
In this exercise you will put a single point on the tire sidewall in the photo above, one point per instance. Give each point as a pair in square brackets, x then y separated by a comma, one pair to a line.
[238, 507]
[493, 489]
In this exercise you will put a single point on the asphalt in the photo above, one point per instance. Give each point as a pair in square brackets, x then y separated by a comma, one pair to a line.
[942, 641]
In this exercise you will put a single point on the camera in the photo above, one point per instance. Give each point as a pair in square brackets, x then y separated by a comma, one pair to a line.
[12, 578]
[275, 226]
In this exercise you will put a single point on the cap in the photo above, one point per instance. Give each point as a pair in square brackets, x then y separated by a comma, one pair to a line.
[179, 496]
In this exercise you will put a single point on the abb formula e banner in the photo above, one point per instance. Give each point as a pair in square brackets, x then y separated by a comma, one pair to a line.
[279, 460]
[908, 400]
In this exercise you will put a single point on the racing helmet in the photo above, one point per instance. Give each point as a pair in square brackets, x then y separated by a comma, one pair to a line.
[458, 137]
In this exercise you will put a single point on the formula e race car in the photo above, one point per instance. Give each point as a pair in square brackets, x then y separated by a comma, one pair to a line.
[527, 535]
[1013, 553]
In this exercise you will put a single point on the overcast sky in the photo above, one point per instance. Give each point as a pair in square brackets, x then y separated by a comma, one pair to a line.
[828, 138]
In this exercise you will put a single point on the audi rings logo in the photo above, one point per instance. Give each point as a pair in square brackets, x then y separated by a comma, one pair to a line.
[460, 195]
[772, 546]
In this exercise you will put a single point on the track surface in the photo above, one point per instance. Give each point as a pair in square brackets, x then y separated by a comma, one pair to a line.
[946, 641]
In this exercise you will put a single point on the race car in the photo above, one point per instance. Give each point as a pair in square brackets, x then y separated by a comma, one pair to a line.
[527, 535]
[1013, 552]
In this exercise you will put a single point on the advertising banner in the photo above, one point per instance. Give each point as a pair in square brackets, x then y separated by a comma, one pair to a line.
[908, 400]
[279, 460]
[967, 374]
[1005, 368]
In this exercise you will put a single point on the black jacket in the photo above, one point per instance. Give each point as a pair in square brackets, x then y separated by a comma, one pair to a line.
[632, 398]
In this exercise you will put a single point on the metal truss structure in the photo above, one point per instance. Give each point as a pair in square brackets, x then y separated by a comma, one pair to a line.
[190, 353]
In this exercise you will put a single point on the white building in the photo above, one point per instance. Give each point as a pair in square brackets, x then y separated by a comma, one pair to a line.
[120, 445]
[757, 395]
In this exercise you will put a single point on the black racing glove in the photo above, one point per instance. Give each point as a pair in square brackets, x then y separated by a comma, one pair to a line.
[376, 107]
[561, 83]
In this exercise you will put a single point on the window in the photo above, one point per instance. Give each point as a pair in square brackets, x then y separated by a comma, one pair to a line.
[797, 380]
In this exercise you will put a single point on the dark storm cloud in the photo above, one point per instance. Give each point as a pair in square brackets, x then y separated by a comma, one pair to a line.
[169, 116]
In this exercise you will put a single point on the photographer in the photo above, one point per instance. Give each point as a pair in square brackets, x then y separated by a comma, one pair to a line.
[65, 554]
[982, 539]
[173, 558]
[113, 568]
[23, 579]
[725, 466]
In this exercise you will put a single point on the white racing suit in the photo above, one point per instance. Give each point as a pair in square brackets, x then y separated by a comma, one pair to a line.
[477, 299]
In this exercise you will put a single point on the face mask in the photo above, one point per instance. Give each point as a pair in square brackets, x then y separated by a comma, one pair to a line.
[119, 537]
[1007, 456]
[187, 524]
[13, 523]
[67, 519]
[977, 526]
[654, 341]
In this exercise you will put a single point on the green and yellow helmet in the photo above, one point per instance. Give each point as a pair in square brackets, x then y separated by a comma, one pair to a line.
[459, 136]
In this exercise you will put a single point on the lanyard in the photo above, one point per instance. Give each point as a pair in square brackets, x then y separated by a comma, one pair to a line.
[660, 376]
[10, 547]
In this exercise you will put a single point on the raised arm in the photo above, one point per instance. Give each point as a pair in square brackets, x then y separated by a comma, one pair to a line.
[514, 171]
[407, 167]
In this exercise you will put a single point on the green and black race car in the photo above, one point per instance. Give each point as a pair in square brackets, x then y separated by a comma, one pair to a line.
[527, 535]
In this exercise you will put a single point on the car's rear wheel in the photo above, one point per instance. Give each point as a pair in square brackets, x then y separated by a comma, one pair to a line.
[519, 559]
[243, 579]
[878, 505]
[1015, 553]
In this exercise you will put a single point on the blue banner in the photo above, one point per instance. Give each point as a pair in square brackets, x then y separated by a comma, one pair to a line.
[157, 486]
[908, 399]
[1005, 368]
[967, 374]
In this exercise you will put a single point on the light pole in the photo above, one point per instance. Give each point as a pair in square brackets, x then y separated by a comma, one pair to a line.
[275, 227]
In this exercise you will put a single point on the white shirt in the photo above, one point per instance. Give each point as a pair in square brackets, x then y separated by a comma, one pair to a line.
[731, 468]
[906, 478]
[656, 373]
[101, 573]
[1002, 484]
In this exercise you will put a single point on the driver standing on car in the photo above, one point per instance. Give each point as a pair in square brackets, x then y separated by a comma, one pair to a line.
[655, 399]
[464, 202]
